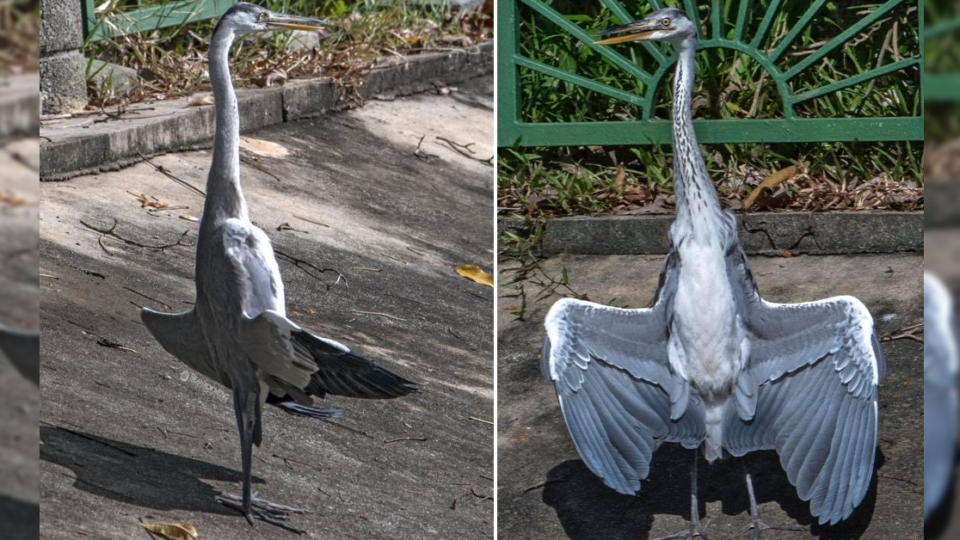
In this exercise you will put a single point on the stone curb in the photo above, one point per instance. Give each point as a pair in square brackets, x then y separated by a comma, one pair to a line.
[832, 233]
[78, 147]
[19, 106]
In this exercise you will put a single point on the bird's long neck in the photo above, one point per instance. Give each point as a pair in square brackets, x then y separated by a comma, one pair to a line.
[224, 197]
[698, 206]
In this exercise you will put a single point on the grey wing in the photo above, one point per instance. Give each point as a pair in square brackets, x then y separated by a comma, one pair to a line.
[181, 335]
[615, 388]
[940, 361]
[23, 351]
[340, 372]
[809, 391]
[300, 363]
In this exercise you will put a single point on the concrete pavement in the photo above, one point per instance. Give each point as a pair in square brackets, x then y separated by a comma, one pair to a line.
[19, 399]
[128, 436]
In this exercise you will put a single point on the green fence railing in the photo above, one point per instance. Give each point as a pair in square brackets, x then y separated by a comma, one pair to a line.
[140, 18]
[722, 30]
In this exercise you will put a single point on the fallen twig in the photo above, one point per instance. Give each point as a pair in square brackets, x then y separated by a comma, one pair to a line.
[387, 315]
[465, 151]
[907, 332]
[420, 154]
[110, 232]
[298, 262]
[417, 439]
[161, 169]
[311, 221]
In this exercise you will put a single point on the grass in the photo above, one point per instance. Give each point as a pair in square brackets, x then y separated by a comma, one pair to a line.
[172, 60]
[19, 28]
[730, 85]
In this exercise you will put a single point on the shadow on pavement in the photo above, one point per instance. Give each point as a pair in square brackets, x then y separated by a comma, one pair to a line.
[589, 510]
[136, 475]
[19, 520]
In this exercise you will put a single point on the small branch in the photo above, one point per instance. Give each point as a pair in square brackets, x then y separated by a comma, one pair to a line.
[378, 313]
[303, 265]
[168, 174]
[110, 232]
[420, 154]
[907, 332]
[417, 439]
[465, 151]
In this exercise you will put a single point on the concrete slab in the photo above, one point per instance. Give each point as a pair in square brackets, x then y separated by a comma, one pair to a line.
[87, 144]
[826, 233]
[19, 399]
[125, 438]
[545, 491]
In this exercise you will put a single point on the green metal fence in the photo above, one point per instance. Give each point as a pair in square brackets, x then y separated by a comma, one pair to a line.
[141, 18]
[512, 130]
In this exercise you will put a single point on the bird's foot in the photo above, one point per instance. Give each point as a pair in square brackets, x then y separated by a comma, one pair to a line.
[696, 531]
[266, 511]
[757, 526]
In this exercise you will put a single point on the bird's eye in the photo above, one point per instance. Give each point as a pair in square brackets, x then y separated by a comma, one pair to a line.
[665, 22]
[262, 17]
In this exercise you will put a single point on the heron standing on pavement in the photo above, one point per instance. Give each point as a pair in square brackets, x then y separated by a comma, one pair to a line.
[238, 333]
[712, 364]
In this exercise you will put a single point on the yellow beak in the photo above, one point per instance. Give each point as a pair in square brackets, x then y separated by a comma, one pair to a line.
[292, 22]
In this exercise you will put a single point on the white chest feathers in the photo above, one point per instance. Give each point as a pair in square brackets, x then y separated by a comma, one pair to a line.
[707, 337]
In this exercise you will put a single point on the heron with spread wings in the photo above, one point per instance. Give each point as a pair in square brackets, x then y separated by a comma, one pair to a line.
[238, 333]
[712, 364]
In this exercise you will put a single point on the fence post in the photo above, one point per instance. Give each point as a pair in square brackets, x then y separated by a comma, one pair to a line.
[63, 86]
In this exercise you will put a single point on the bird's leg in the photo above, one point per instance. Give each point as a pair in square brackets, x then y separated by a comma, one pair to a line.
[250, 505]
[696, 527]
[756, 524]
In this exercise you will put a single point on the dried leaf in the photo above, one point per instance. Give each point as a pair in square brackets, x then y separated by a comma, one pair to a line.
[773, 180]
[474, 273]
[186, 217]
[199, 100]
[174, 531]
[263, 148]
[621, 176]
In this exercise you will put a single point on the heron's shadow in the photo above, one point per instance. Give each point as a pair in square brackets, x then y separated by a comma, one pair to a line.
[19, 520]
[134, 474]
[589, 510]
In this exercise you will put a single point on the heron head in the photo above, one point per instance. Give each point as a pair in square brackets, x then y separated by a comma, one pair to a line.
[668, 24]
[245, 18]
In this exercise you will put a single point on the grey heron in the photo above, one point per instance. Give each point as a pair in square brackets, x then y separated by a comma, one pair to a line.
[238, 333]
[23, 350]
[940, 363]
[712, 363]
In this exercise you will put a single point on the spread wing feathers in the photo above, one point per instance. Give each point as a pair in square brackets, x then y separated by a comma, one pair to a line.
[249, 251]
[809, 392]
[343, 373]
[318, 366]
[940, 362]
[611, 373]
[180, 334]
[268, 341]
[23, 351]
